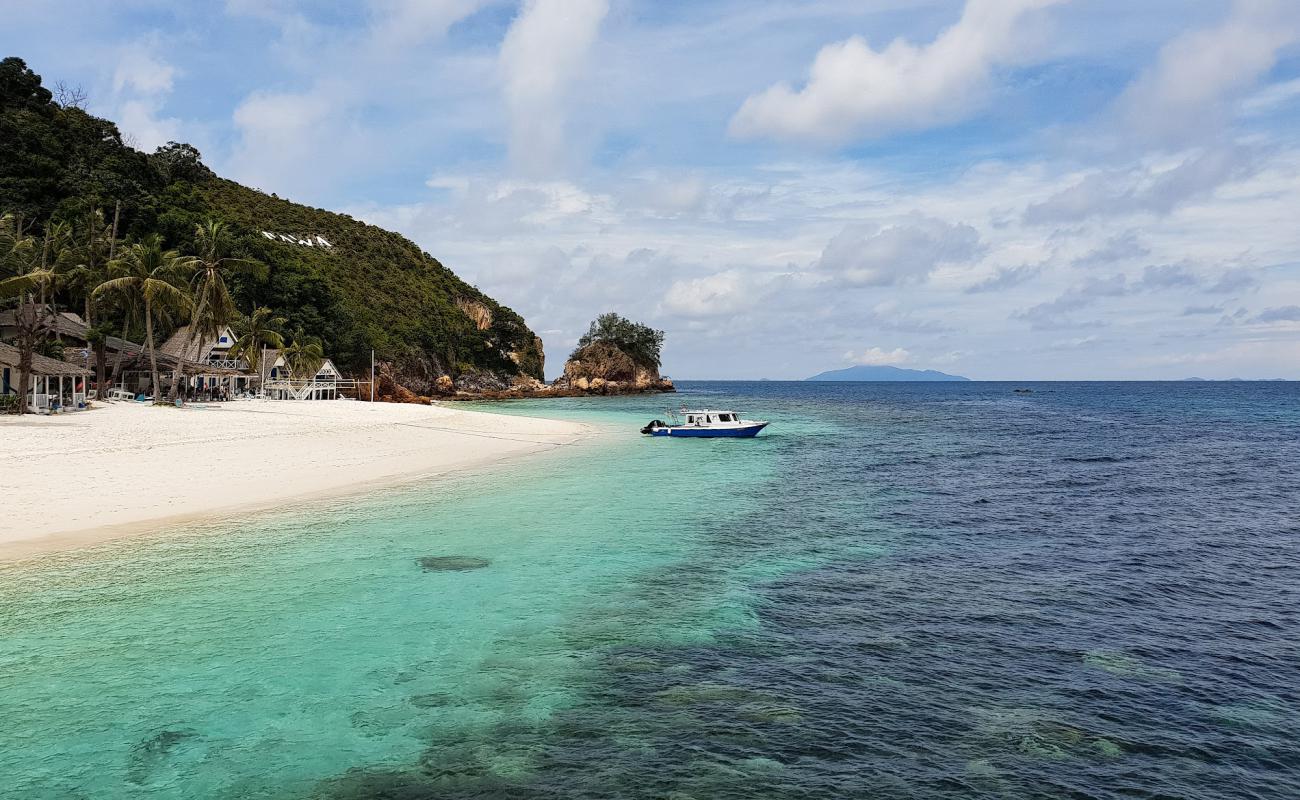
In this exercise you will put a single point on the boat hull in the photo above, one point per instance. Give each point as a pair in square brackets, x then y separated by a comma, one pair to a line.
[739, 432]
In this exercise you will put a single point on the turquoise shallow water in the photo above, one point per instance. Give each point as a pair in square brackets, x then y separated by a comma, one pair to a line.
[260, 657]
[896, 591]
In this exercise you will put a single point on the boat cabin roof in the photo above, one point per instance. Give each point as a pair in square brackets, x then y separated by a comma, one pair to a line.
[706, 411]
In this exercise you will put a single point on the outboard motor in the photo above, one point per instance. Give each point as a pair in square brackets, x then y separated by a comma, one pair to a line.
[654, 423]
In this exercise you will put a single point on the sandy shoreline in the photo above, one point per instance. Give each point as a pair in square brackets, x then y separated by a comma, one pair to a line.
[124, 468]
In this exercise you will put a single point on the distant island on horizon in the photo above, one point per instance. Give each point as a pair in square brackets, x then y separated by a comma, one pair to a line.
[883, 373]
[1232, 380]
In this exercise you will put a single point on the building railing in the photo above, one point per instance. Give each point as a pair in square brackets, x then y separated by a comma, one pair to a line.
[228, 363]
[301, 390]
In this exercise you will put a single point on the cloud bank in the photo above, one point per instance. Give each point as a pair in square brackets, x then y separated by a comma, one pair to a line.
[853, 90]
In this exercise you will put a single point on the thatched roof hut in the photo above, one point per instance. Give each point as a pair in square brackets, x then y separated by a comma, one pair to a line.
[41, 365]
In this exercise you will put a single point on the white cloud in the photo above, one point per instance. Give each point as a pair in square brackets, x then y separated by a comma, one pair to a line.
[1005, 278]
[1155, 189]
[1271, 98]
[1200, 73]
[143, 124]
[752, 296]
[853, 90]
[285, 136]
[711, 295]
[142, 80]
[348, 98]
[905, 251]
[875, 356]
[402, 23]
[1279, 314]
[1075, 343]
[140, 72]
[1058, 313]
[544, 51]
[1118, 248]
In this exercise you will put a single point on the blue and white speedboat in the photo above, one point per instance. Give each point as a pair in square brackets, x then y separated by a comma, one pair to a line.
[705, 423]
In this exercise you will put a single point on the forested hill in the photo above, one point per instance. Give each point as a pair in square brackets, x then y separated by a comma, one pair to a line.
[352, 285]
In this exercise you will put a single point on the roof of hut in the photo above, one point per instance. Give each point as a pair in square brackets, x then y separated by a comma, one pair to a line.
[67, 323]
[178, 343]
[41, 365]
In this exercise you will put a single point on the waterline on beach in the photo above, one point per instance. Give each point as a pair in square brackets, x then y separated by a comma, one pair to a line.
[122, 468]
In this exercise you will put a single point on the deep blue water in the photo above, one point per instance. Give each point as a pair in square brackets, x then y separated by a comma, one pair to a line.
[897, 591]
[1090, 591]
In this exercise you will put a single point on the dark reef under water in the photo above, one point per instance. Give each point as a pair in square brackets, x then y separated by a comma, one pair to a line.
[1090, 592]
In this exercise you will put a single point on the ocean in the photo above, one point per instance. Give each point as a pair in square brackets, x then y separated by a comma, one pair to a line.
[942, 590]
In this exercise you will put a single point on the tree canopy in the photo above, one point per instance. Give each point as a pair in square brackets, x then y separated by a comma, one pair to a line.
[640, 342]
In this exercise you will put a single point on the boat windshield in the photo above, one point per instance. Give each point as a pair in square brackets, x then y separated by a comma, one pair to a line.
[707, 418]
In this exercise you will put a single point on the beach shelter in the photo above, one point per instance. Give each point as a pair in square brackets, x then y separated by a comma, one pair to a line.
[54, 385]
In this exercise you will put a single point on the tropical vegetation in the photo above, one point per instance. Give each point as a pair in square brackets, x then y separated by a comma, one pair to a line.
[80, 207]
[639, 342]
[259, 330]
[152, 277]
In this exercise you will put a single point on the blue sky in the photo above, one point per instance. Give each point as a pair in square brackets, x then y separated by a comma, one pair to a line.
[1006, 189]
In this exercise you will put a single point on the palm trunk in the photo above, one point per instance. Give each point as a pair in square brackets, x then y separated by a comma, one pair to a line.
[180, 365]
[117, 359]
[193, 344]
[99, 369]
[148, 343]
[24, 377]
[28, 322]
[112, 237]
[194, 339]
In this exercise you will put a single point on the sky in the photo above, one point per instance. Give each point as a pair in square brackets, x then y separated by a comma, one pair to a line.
[1002, 189]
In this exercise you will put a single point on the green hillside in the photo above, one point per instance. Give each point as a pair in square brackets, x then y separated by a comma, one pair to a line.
[369, 288]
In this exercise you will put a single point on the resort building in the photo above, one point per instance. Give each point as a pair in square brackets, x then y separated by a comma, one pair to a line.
[207, 365]
[279, 382]
[54, 385]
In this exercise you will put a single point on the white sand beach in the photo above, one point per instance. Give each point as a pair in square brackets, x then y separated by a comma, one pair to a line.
[123, 468]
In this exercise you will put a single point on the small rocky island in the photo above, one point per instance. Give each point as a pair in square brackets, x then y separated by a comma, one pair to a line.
[615, 356]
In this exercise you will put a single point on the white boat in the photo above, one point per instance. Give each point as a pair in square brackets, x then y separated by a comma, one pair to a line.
[705, 423]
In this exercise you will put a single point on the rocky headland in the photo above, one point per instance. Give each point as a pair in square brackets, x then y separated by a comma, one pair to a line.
[598, 369]
[615, 357]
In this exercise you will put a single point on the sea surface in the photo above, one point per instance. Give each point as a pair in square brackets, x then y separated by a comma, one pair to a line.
[897, 591]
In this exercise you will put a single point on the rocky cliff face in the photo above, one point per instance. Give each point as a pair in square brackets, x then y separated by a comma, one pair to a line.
[476, 311]
[602, 368]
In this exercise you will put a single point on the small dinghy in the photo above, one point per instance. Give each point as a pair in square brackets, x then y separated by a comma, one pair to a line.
[705, 423]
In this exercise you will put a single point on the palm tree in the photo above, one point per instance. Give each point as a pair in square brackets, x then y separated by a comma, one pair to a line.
[86, 262]
[17, 258]
[256, 331]
[213, 307]
[88, 268]
[23, 264]
[149, 274]
[15, 246]
[304, 356]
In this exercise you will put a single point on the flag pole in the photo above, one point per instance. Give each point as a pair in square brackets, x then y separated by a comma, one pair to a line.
[372, 375]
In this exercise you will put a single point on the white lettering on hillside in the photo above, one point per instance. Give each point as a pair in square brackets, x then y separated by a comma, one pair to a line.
[307, 241]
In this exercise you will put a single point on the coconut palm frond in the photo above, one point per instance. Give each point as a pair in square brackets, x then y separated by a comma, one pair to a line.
[124, 284]
[27, 282]
[260, 329]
